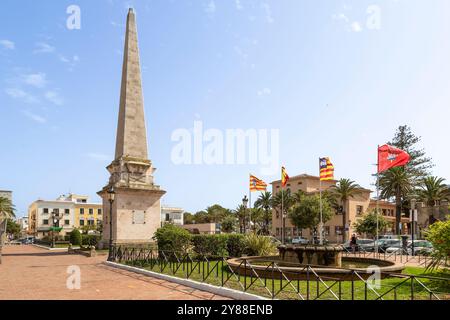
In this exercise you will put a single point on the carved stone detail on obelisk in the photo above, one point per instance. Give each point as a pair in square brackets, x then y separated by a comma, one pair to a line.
[136, 209]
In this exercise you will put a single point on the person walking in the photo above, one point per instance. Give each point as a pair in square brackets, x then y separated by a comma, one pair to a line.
[353, 243]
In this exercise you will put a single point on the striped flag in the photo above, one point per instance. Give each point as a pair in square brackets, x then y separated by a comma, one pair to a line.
[326, 169]
[257, 184]
[284, 177]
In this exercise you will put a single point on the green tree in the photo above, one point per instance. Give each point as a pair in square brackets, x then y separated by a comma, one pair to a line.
[188, 218]
[433, 190]
[258, 245]
[75, 237]
[172, 238]
[242, 214]
[396, 183]
[306, 214]
[12, 228]
[7, 208]
[264, 202]
[419, 165]
[439, 235]
[228, 224]
[342, 192]
[368, 224]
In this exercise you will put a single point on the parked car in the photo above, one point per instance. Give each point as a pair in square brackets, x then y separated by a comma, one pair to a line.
[27, 240]
[360, 243]
[421, 247]
[300, 240]
[384, 244]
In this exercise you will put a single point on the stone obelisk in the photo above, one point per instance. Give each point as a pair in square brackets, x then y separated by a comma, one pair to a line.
[136, 210]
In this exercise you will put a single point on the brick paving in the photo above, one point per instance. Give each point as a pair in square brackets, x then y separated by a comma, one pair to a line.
[28, 272]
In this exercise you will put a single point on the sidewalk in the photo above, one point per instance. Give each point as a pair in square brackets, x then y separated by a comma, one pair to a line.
[28, 272]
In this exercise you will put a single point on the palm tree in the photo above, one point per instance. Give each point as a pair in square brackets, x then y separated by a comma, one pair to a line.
[432, 190]
[7, 208]
[241, 213]
[343, 191]
[6, 212]
[396, 182]
[264, 202]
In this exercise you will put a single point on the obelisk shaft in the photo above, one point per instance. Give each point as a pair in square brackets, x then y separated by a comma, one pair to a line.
[131, 140]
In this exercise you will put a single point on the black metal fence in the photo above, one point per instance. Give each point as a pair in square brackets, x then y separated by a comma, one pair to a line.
[269, 279]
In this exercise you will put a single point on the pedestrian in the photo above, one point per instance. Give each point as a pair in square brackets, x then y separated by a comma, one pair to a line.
[353, 242]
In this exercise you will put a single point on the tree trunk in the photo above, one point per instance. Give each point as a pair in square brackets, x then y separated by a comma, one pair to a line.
[398, 212]
[344, 220]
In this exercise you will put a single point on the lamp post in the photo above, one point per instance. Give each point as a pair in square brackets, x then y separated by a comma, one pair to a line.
[111, 196]
[412, 215]
[245, 203]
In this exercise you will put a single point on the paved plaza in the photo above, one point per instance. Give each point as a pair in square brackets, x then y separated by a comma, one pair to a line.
[28, 272]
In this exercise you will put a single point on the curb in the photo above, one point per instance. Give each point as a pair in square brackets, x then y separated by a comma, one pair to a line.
[50, 249]
[225, 292]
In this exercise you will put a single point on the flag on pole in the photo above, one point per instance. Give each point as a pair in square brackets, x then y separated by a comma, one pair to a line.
[326, 169]
[284, 177]
[257, 184]
[390, 157]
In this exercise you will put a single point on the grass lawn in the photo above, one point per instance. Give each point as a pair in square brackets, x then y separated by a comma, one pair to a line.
[390, 289]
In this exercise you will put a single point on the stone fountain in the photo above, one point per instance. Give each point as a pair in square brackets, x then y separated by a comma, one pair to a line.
[319, 255]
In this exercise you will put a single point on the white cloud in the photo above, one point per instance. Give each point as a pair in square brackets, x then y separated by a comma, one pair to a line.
[264, 92]
[54, 97]
[42, 47]
[37, 80]
[34, 117]
[268, 10]
[7, 44]
[210, 9]
[340, 17]
[17, 93]
[356, 27]
[238, 5]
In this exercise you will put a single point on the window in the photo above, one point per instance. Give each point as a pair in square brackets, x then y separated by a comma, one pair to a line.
[91, 211]
[277, 231]
[99, 211]
[326, 230]
[167, 217]
[90, 222]
[45, 210]
[66, 211]
[338, 230]
[66, 222]
[45, 222]
[81, 210]
[82, 222]
[359, 210]
[383, 212]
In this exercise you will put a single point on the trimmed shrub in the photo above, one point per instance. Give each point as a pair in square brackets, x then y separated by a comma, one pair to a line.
[75, 237]
[90, 240]
[235, 245]
[172, 238]
[210, 245]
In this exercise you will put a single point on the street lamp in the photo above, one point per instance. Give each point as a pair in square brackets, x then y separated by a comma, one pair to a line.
[245, 203]
[111, 196]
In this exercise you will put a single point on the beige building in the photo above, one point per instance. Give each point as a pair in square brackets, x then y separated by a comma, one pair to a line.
[68, 212]
[355, 208]
[202, 228]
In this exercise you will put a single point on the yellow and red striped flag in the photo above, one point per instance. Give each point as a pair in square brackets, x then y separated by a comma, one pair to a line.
[284, 176]
[326, 169]
[257, 184]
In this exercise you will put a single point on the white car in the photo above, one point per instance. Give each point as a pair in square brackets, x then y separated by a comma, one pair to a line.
[300, 240]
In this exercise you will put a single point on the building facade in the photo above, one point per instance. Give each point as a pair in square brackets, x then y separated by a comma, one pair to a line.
[172, 215]
[355, 208]
[203, 228]
[67, 212]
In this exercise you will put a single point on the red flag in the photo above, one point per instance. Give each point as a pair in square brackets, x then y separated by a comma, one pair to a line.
[390, 157]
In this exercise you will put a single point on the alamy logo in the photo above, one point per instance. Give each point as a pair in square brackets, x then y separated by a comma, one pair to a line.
[73, 281]
[74, 20]
[227, 147]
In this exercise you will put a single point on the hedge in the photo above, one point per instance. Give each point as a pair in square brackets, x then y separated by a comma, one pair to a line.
[210, 245]
[90, 239]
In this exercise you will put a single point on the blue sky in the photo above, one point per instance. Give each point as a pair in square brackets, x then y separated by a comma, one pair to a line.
[331, 83]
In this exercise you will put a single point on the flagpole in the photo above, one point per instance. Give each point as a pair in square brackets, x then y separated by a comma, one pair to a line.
[321, 221]
[378, 197]
[250, 206]
[282, 213]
